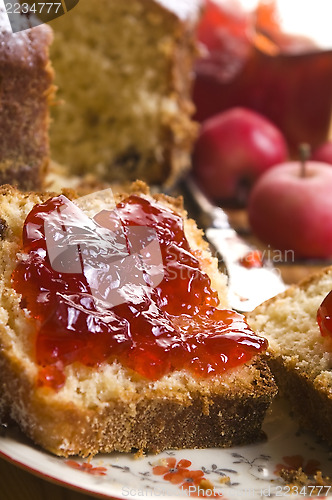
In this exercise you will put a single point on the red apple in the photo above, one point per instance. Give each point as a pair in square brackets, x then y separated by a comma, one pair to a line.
[233, 149]
[323, 153]
[291, 209]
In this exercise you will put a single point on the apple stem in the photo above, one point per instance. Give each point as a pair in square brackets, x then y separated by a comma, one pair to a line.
[305, 153]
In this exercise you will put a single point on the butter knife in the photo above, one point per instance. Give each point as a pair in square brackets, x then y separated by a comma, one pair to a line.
[247, 287]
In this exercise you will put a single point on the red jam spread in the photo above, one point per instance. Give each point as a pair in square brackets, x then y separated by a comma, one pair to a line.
[252, 259]
[324, 316]
[174, 325]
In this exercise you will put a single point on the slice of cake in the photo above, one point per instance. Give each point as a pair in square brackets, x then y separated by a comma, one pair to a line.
[82, 372]
[301, 351]
[124, 72]
[26, 89]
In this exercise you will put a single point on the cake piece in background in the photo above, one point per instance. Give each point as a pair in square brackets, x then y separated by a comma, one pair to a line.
[26, 89]
[301, 351]
[124, 72]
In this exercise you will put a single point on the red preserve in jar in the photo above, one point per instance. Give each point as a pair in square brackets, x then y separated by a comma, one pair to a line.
[155, 330]
[249, 61]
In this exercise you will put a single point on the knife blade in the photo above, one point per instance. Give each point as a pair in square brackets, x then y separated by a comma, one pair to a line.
[247, 287]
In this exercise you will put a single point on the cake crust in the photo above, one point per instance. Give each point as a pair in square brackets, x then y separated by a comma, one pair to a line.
[26, 92]
[211, 419]
[310, 401]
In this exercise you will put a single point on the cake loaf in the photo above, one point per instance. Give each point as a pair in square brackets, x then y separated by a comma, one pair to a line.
[150, 389]
[26, 90]
[300, 355]
[124, 71]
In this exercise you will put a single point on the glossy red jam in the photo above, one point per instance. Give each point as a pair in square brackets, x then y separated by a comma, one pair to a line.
[324, 316]
[252, 259]
[156, 330]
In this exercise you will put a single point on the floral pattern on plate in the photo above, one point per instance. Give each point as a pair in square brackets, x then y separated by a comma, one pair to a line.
[249, 472]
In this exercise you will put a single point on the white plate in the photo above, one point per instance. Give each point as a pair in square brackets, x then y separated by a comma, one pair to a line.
[251, 469]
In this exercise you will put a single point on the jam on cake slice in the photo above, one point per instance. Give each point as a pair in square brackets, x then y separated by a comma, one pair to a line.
[167, 367]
